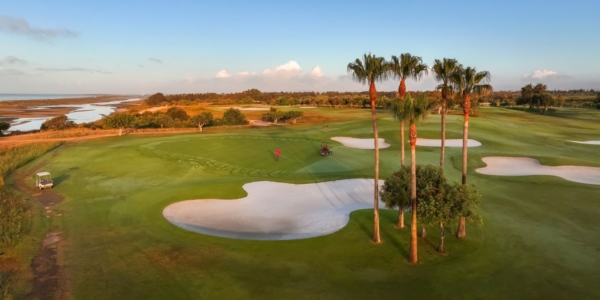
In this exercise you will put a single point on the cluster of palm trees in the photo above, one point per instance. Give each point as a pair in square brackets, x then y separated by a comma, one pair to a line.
[455, 80]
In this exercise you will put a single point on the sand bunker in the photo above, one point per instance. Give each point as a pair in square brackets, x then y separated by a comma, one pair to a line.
[587, 142]
[360, 143]
[276, 211]
[251, 108]
[449, 143]
[523, 166]
[308, 107]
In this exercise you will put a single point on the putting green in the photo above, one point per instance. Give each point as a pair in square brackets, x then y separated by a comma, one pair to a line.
[540, 238]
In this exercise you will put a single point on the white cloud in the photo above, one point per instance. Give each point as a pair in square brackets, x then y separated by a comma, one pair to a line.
[540, 74]
[245, 73]
[317, 72]
[189, 80]
[223, 74]
[290, 68]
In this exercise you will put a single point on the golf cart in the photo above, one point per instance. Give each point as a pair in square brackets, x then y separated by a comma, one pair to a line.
[325, 150]
[43, 180]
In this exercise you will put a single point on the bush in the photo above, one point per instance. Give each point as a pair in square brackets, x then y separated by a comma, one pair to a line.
[15, 218]
[177, 113]
[58, 123]
[233, 116]
[156, 99]
[4, 126]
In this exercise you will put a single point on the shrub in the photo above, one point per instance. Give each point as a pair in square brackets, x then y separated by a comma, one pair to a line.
[58, 123]
[233, 116]
[15, 217]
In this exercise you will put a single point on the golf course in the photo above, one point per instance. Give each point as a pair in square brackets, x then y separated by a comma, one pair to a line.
[539, 239]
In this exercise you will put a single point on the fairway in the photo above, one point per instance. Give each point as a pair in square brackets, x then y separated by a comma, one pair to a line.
[540, 237]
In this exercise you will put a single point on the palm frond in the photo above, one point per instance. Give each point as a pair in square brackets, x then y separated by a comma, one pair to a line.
[415, 108]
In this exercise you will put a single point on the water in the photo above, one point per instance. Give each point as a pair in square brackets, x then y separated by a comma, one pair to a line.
[81, 113]
[4, 97]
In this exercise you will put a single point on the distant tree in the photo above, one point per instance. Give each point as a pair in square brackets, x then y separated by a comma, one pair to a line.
[4, 126]
[156, 99]
[58, 123]
[369, 70]
[597, 101]
[120, 120]
[465, 200]
[233, 116]
[544, 101]
[176, 113]
[201, 120]
[526, 97]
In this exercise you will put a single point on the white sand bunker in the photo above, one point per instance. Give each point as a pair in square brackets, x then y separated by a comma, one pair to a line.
[523, 166]
[276, 211]
[449, 143]
[587, 142]
[360, 143]
[251, 108]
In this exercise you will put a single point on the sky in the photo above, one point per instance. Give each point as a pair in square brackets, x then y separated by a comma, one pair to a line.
[142, 47]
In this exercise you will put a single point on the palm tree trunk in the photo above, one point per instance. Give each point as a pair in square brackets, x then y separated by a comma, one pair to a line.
[413, 194]
[402, 143]
[443, 133]
[462, 232]
[401, 94]
[400, 218]
[442, 236]
[376, 236]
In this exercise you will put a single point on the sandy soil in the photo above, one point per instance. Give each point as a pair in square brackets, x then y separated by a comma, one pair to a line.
[276, 211]
[449, 143]
[524, 166]
[587, 142]
[251, 108]
[360, 143]
[308, 107]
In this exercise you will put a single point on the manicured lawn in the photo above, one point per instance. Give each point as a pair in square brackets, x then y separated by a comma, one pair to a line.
[541, 237]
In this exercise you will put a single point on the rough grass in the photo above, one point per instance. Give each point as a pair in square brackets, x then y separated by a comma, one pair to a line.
[540, 238]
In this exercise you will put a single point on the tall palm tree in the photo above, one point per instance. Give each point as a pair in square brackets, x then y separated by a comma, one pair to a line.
[368, 71]
[403, 67]
[413, 110]
[467, 81]
[443, 70]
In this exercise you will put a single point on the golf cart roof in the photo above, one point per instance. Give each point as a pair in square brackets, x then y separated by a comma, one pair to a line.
[43, 174]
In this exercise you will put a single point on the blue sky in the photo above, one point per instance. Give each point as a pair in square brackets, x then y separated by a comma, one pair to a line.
[229, 46]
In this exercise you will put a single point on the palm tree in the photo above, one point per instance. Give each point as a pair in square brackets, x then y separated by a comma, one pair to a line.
[414, 109]
[468, 81]
[407, 66]
[443, 70]
[368, 71]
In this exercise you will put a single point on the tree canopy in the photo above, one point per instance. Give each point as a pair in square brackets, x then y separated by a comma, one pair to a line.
[4, 126]
[58, 123]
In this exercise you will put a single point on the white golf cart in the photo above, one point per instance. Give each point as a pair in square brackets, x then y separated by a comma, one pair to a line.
[43, 180]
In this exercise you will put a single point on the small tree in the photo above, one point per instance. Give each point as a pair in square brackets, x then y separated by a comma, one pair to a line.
[294, 115]
[465, 200]
[177, 113]
[4, 126]
[233, 116]
[58, 123]
[120, 120]
[597, 102]
[201, 120]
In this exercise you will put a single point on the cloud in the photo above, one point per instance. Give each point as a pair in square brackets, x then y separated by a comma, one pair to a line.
[223, 74]
[21, 26]
[316, 72]
[246, 73]
[12, 60]
[290, 68]
[141, 66]
[545, 74]
[11, 72]
[72, 70]
[155, 60]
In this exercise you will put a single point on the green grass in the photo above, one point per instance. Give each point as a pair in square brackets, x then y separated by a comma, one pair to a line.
[540, 239]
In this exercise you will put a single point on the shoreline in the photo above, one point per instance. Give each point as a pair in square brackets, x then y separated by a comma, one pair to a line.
[11, 110]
